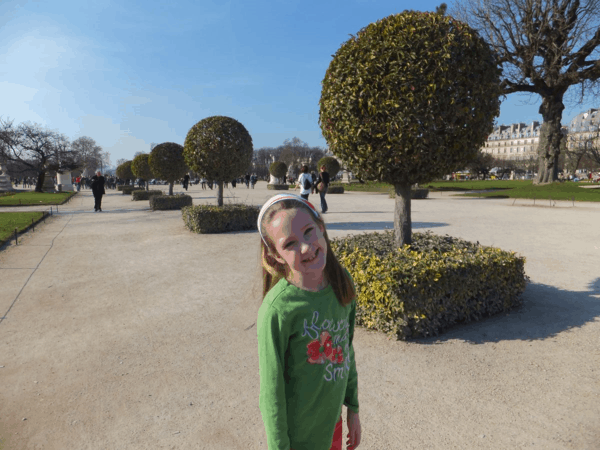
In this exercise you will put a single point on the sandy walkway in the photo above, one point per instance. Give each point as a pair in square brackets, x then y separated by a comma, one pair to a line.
[123, 330]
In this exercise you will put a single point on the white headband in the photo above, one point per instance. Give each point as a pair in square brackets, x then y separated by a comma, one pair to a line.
[280, 198]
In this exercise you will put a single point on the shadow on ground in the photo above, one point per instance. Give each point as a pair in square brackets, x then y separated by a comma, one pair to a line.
[379, 225]
[546, 312]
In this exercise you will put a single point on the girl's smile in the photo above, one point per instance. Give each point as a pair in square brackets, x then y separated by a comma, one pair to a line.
[300, 245]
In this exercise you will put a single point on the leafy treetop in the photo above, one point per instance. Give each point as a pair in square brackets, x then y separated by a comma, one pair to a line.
[278, 169]
[141, 168]
[124, 171]
[218, 148]
[166, 162]
[410, 98]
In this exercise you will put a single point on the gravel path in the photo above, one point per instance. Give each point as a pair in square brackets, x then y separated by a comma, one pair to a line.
[123, 330]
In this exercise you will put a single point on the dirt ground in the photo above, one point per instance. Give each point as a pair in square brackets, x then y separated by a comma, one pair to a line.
[123, 330]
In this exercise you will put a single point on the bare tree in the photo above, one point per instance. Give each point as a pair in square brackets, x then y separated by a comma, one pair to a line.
[89, 154]
[30, 147]
[545, 47]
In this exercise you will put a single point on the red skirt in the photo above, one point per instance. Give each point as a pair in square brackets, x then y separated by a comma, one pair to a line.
[336, 443]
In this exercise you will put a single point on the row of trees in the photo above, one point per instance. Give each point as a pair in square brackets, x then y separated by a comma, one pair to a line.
[164, 162]
[293, 152]
[30, 150]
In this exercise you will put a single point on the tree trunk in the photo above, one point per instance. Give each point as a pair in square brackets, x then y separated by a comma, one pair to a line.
[402, 222]
[550, 138]
[171, 188]
[40, 182]
[147, 184]
[220, 193]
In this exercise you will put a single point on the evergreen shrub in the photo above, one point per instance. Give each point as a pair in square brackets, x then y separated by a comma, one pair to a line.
[165, 202]
[220, 219]
[278, 187]
[424, 288]
[335, 189]
[278, 169]
[144, 195]
[126, 190]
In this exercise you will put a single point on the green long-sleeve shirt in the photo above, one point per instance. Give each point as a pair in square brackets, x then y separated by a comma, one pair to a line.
[306, 364]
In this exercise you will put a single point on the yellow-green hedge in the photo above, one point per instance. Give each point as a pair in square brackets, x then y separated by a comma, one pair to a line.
[166, 202]
[423, 289]
[126, 190]
[220, 219]
[144, 195]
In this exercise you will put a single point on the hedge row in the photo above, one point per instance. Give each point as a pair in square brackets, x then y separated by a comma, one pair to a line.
[423, 289]
[126, 190]
[144, 195]
[220, 219]
[166, 202]
[415, 194]
[335, 189]
[278, 187]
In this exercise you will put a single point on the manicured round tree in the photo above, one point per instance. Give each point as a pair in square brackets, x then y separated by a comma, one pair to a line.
[124, 171]
[331, 164]
[219, 148]
[141, 168]
[278, 169]
[410, 98]
[167, 163]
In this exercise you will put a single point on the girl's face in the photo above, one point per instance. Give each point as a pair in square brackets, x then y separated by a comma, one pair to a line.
[299, 241]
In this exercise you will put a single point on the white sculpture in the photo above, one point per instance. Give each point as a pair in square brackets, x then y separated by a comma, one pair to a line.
[5, 184]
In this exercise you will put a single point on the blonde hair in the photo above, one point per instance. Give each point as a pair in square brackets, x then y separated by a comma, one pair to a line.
[273, 271]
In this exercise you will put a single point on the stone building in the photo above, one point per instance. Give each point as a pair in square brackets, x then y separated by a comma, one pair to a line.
[517, 141]
[583, 131]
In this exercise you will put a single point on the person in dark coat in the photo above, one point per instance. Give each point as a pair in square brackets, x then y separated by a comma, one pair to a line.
[323, 178]
[186, 181]
[98, 190]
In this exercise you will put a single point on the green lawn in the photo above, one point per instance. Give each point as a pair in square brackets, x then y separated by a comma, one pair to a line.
[368, 186]
[554, 191]
[19, 220]
[476, 185]
[35, 198]
[372, 186]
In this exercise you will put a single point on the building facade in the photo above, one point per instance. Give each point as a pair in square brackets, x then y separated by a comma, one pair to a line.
[517, 141]
[583, 131]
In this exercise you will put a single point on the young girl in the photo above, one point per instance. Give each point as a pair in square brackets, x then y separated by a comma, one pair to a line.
[305, 329]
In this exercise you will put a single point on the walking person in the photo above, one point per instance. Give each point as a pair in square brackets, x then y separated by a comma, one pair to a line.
[247, 179]
[322, 186]
[253, 180]
[305, 183]
[98, 190]
[305, 329]
[186, 181]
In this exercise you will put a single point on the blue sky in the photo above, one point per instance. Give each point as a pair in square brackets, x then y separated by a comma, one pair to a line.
[130, 73]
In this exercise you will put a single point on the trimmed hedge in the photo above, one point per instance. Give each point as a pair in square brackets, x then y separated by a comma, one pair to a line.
[126, 190]
[415, 194]
[220, 219]
[278, 187]
[335, 189]
[144, 195]
[422, 289]
[166, 202]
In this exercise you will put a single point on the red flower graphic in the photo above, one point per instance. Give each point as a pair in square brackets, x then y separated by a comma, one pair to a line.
[320, 350]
